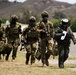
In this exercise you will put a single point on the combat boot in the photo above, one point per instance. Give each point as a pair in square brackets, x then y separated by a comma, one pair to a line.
[43, 62]
[61, 66]
[32, 61]
[27, 58]
[26, 62]
[47, 62]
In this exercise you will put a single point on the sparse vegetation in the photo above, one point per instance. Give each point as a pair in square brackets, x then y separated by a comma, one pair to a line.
[72, 23]
[58, 15]
[18, 67]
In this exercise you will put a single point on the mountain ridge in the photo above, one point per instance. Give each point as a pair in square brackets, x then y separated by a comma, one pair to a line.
[52, 6]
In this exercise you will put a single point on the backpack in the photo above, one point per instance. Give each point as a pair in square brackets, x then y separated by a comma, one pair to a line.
[14, 33]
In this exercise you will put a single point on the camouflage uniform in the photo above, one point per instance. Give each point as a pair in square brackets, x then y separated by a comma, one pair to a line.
[31, 37]
[46, 31]
[13, 35]
[3, 44]
[64, 43]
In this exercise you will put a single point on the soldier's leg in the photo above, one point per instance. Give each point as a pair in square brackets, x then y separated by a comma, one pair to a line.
[61, 56]
[15, 47]
[33, 49]
[14, 53]
[28, 53]
[9, 49]
[66, 52]
[27, 58]
[38, 52]
[49, 51]
[43, 51]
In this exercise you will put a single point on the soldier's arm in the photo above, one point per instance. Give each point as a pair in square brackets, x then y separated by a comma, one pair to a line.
[25, 30]
[58, 34]
[72, 35]
[52, 32]
[39, 27]
[23, 36]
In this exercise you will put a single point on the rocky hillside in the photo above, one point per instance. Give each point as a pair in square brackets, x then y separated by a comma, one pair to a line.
[52, 6]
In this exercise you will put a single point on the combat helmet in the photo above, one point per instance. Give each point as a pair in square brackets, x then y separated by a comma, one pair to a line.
[44, 14]
[14, 17]
[64, 21]
[32, 19]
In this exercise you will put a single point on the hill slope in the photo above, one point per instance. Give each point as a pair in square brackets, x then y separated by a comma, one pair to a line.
[52, 6]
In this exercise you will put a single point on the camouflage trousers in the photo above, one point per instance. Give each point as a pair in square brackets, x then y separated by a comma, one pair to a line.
[30, 52]
[14, 48]
[5, 49]
[46, 50]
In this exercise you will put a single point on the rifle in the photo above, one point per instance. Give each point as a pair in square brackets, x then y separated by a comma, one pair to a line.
[45, 29]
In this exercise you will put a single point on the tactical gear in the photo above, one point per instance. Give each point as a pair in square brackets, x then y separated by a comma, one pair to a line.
[64, 22]
[44, 14]
[32, 35]
[47, 29]
[13, 33]
[32, 19]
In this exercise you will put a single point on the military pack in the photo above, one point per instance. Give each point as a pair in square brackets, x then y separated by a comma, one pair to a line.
[32, 34]
[13, 33]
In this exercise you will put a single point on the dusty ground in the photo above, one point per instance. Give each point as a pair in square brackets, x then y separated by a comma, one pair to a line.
[18, 67]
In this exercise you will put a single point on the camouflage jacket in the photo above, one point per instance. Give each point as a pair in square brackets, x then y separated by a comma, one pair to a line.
[45, 30]
[13, 34]
[30, 34]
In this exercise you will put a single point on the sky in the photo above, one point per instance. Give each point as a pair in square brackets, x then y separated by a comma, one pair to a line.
[69, 1]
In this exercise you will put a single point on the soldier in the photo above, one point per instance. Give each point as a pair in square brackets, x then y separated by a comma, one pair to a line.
[31, 37]
[46, 31]
[62, 36]
[1, 35]
[13, 35]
